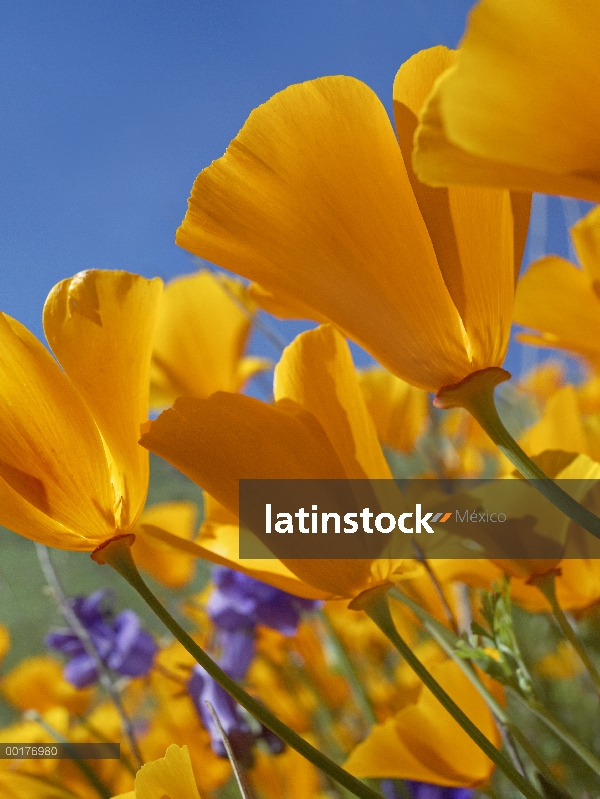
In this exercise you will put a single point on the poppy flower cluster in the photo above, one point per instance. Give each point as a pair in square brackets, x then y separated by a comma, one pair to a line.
[406, 239]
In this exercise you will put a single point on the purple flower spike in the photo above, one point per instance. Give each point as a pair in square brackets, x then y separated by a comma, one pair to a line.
[241, 602]
[120, 642]
[81, 671]
[202, 688]
[424, 790]
[237, 605]
[134, 648]
[237, 652]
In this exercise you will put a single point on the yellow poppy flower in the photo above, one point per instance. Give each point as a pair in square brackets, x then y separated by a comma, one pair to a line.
[218, 542]
[175, 720]
[316, 201]
[562, 664]
[170, 777]
[588, 394]
[399, 410]
[577, 587]
[37, 683]
[423, 742]
[582, 474]
[577, 583]
[561, 426]
[541, 382]
[287, 776]
[4, 641]
[318, 428]
[168, 566]
[521, 107]
[561, 300]
[71, 472]
[202, 328]
[28, 731]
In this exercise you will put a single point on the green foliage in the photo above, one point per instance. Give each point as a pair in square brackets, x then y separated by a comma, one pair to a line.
[495, 648]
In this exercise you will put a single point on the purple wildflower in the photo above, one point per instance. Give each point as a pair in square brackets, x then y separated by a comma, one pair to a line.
[241, 602]
[237, 652]
[424, 790]
[202, 688]
[242, 737]
[237, 605]
[119, 640]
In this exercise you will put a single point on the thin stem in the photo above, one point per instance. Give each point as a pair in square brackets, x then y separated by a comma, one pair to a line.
[547, 586]
[117, 554]
[349, 673]
[237, 768]
[89, 646]
[375, 603]
[101, 789]
[563, 733]
[448, 641]
[476, 394]
[420, 556]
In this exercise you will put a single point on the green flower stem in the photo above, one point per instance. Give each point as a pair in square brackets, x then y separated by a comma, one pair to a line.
[562, 732]
[476, 394]
[101, 789]
[436, 585]
[104, 675]
[448, 641]
[349, 673]
[375, 603]
[360, 695]
[116, 552]
[547, 586]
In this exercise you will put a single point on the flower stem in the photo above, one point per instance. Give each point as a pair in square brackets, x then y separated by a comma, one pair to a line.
[89, 647]
[347, 668]
[437, 587]
[547, 586]
[562, 732]
[375, 603]
[448, 642]
[116, 552]
[236, 767]
[476, 394]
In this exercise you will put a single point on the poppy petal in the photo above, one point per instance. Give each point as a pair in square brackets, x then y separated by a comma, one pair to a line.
[229, 437]
[312, 200]
[171, 775]
[100, 325]
[472, 229]
[586, 238]
[316, 371]
[556, 298]
[201, 333]
[510, 100]
[55, 483]
[423, 742]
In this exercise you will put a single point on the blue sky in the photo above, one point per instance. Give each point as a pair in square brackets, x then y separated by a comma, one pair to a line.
[111, 108]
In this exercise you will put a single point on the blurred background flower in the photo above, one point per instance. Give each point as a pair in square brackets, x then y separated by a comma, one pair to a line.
[121, 643]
